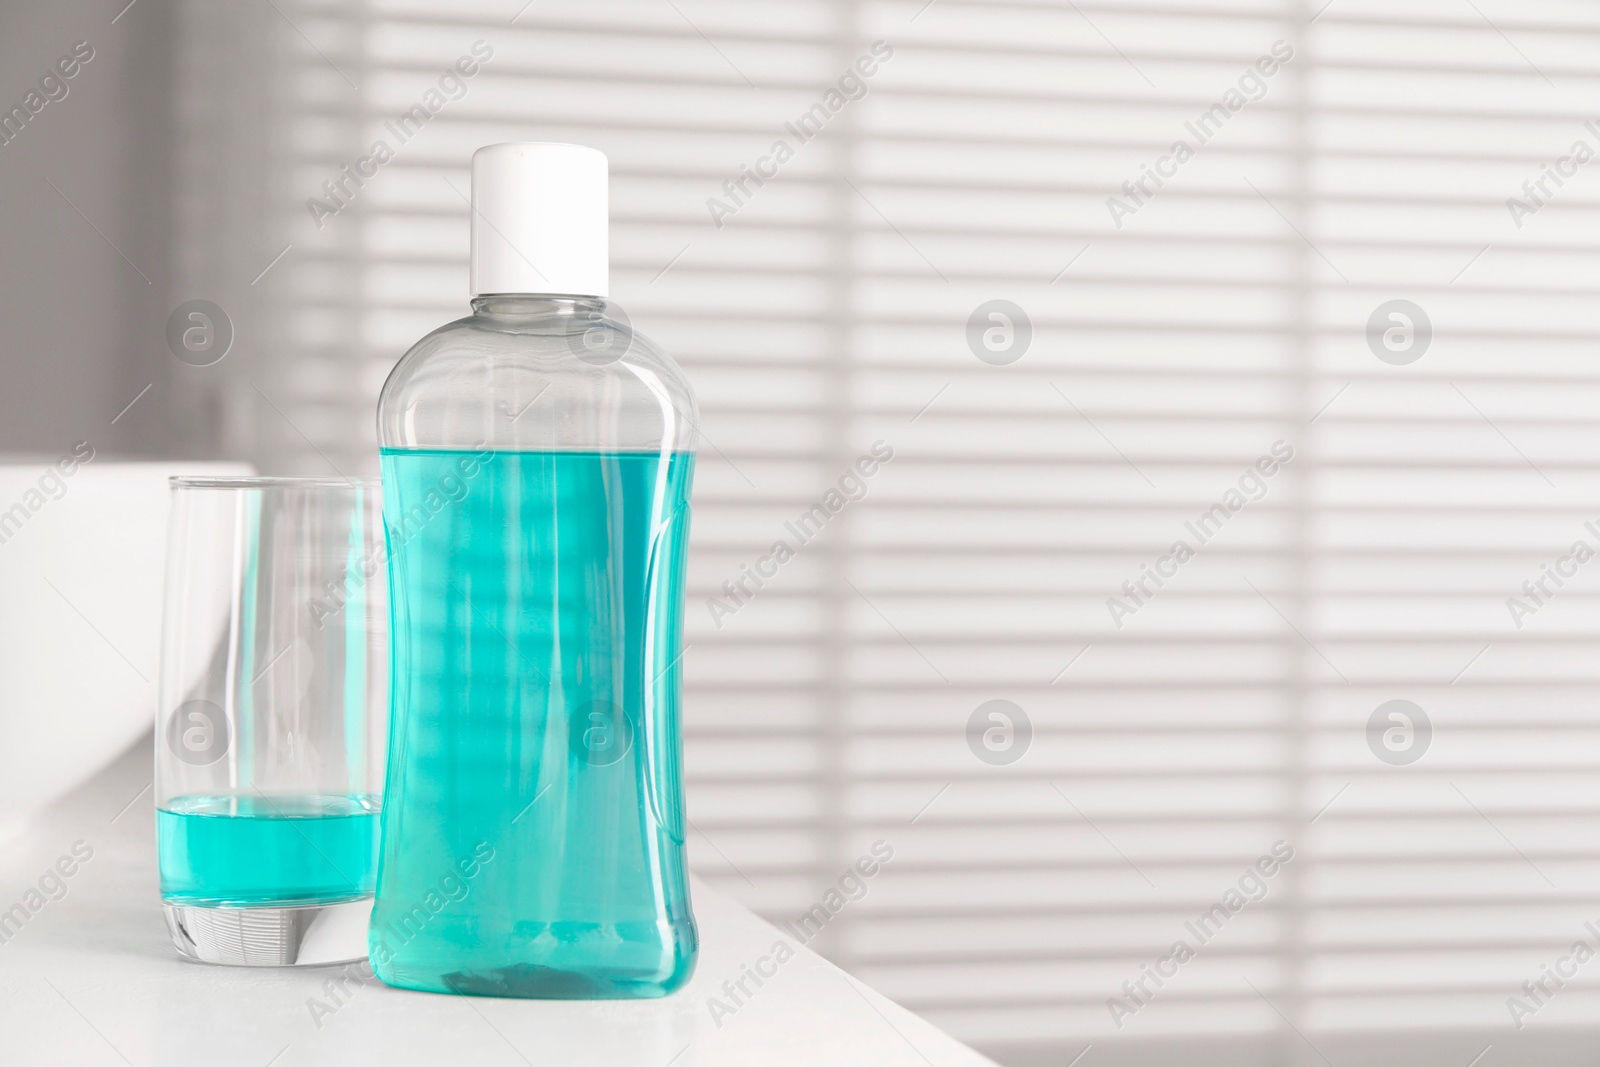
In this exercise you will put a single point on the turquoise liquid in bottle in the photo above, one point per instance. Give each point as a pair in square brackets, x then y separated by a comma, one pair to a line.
[532, 829]
[266, 850]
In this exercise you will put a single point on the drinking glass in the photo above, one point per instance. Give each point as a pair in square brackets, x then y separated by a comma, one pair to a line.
[271, 722]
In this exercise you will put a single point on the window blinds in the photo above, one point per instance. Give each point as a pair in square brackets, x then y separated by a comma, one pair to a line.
[1188, 317]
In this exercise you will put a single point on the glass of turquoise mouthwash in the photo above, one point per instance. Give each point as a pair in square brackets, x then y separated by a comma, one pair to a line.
[271, 723]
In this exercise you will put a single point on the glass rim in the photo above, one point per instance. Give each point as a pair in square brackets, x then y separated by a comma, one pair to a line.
[264, 481]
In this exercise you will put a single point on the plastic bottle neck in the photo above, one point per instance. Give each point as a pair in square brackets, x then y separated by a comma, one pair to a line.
[525, 306]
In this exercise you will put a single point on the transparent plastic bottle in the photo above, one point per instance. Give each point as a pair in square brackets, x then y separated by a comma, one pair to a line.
[537, 460]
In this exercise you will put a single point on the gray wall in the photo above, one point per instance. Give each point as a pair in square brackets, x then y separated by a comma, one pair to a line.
[84, 326]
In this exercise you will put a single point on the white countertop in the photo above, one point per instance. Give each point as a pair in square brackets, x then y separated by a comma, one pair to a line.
[92, 979]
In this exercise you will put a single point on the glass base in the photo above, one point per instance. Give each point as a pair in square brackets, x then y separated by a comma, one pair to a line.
[304, 936]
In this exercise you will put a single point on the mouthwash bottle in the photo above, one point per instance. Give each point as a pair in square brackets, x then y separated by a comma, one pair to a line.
[537, 457]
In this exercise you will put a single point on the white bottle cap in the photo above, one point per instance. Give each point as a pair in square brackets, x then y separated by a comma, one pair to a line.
[539, 220]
